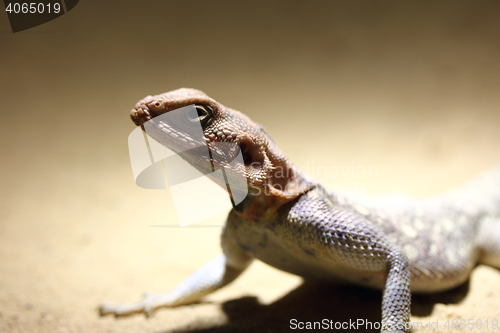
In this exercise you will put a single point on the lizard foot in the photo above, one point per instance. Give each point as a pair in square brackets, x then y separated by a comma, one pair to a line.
[148, 306]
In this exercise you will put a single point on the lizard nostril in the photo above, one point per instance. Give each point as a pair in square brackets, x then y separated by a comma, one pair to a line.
[155, 106]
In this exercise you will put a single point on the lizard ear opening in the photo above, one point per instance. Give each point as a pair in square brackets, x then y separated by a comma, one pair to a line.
[246, 153]
[250, 156]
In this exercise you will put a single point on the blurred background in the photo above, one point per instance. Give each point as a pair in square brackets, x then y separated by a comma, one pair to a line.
[410, 88]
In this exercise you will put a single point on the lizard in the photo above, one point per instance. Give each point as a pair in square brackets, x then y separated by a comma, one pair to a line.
[292, 222]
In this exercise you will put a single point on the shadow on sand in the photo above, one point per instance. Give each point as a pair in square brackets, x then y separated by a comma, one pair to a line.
[313, 301]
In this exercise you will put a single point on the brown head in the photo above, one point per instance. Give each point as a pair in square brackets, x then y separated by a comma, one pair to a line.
[266, 170]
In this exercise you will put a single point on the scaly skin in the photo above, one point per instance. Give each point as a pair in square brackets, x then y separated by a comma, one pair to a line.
[292, 223]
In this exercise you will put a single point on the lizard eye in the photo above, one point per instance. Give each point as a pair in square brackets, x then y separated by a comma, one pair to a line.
[201, 113]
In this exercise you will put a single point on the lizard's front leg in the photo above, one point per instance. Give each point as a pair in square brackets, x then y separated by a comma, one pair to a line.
[352, 248]
[214, 275]
[396, 299]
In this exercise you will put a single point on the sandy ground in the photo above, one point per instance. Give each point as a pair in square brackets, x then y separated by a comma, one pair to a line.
[411, 89]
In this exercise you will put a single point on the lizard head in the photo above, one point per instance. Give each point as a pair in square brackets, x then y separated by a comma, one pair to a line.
[265, 169]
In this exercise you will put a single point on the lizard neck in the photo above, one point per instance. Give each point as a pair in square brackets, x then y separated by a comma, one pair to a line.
[283, 184]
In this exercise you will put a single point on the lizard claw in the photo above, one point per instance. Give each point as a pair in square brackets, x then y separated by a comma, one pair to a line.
[109, 309]
[149, 311]
[104, 310]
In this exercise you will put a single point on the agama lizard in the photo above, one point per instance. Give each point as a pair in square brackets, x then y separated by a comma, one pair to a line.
[294, 224]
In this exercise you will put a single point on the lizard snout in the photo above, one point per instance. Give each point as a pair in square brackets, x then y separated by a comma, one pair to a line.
[140, 115]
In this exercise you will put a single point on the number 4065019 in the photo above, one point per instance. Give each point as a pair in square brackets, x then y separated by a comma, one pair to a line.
[33, 8]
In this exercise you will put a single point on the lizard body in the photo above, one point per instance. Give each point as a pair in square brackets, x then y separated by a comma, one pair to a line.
[292, 223]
